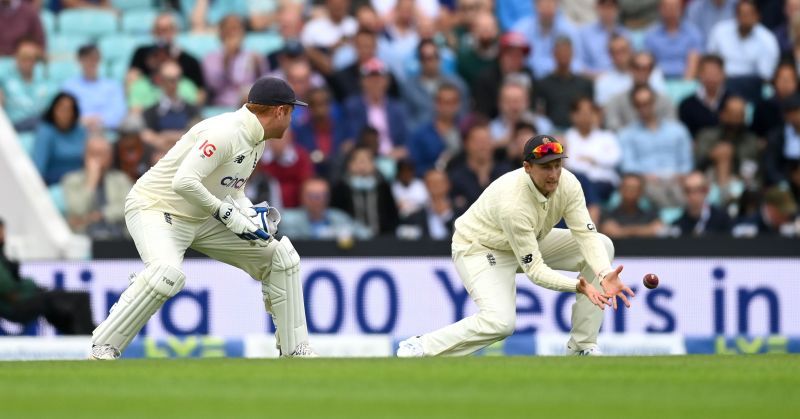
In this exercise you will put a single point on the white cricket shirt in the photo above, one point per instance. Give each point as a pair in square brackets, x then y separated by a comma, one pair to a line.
[511, 214]
[212, 160]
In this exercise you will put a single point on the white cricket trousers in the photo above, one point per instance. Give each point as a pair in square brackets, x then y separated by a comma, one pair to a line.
[494, 289]
[162, 238]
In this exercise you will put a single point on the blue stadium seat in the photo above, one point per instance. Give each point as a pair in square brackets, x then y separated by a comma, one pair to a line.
[139, 22]
[57, 195]
[669, 215]
[94, 23]
[677, 90]
[6, 65]
[115, 69]
[48, 22]
[198, 45]
[128, 5]
[121, 46]
[27, 140]
[61, 70]
[263, 43]
[61, 46]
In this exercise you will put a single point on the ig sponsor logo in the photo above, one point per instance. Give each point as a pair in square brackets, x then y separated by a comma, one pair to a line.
[207, 148]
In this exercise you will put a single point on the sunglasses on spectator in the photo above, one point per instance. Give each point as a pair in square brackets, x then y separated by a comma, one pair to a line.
[546, 149]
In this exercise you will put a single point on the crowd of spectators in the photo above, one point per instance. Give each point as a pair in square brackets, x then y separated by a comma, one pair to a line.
[680, 117]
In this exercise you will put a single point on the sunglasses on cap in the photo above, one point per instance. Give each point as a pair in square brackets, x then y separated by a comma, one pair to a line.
[546, 149]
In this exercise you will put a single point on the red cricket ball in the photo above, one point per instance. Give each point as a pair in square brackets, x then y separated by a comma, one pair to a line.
[650, 281]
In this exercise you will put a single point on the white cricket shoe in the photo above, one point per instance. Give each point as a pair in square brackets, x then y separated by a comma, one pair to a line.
[104, 353]
[304, 350]
[592, 351]
[410, 348]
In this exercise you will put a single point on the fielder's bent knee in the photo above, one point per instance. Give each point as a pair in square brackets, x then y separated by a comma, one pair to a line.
[500, 325]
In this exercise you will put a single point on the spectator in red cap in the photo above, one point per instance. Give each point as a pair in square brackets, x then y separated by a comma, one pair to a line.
[374, 108]
[346, 81]
[514, 50]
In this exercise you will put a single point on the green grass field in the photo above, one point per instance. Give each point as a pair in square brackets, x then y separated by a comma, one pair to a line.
[761, 386]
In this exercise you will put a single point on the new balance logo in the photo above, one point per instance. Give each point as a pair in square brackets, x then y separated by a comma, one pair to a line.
[491, 259]
[527, 259]
[239, 159]
[168, 218]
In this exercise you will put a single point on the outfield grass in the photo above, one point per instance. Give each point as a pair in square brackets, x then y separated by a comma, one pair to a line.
[761, 386]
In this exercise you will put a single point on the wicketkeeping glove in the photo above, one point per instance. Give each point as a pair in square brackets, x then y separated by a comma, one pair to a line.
[266, 217]
[239, 220]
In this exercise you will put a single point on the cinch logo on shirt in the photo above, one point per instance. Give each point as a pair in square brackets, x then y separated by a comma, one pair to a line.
[233, 182]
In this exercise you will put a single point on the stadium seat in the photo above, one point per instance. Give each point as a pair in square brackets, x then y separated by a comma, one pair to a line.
[115, 69]
[61, 70]
[121, 46]
[61, 46]
[94, 23]
[209, 111]
[198, 45]
[677, 90]
[669, 215]
[48, 22]
[139, 22]
[128, 5]
[57, 195]
[637, 39]
[263, 43]
[27, 140]
[6, 65]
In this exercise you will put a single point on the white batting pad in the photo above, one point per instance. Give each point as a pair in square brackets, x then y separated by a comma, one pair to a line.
[151, 288]
[283, 297]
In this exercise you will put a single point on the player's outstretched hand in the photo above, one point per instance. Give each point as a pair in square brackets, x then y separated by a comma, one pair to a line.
[585, 288]
[613, 287]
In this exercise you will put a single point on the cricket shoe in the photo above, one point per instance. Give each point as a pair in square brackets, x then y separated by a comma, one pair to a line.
[304, 350]
[104, 353]
[591, 351]
[410, 348]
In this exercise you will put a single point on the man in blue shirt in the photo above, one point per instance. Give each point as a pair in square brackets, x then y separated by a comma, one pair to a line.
[102, 100]
[704, 14]
[316, 220]
[25, 93]
[595, 37]
[437, 140]
[660, 150]
[675, 43]
[542, 29]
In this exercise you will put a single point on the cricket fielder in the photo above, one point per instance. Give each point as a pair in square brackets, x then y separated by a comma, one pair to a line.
[193, 197]
[510, 227]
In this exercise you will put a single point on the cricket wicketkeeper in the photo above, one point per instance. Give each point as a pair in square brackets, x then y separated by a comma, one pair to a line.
[510, 227]
[193, 197]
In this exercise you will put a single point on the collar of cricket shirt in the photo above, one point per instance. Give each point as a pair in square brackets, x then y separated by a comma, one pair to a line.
[254, 128]
[540, 199]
